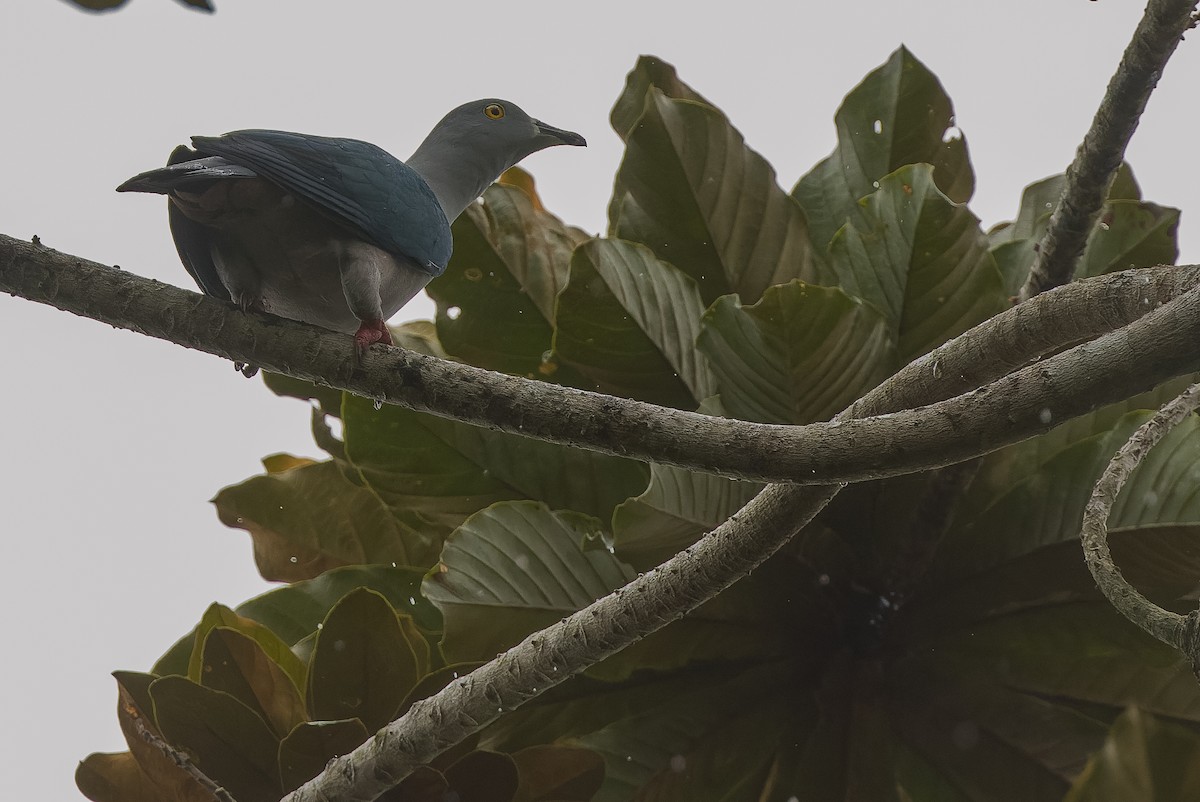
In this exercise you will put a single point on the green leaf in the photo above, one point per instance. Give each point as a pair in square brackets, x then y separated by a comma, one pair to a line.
[135, 709]
[512, 569]
[363, 665]
[920, 259]
[228, 741]
[709, 729]
[1131, 234]
[434, 682]
[1145, 759]
[1035, 495]
[899, 115]
[650, 72]
[237, 665]
[118, 778]
[482, 776]
[444, 470]
[756, 620]
[985, 740]
[629, 322]
[799, 355]
[294, 612]
[312, 744]
[218, 615]
[297, 610]
[1037, 204]
[556, 773]
[1074, 651]
[1161, 561]
[309, 518]
[425, 784]
[674, 511]
[691, 190]
[496, 299]
[328, 399]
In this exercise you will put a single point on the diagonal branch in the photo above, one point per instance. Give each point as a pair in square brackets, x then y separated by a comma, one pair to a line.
[1013, 408]
[1096, 162]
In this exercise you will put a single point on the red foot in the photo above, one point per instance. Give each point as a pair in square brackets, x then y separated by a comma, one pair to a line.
[369, 333]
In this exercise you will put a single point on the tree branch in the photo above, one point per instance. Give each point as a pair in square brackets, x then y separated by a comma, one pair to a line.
[1125, 361]
[1096, 162]
[1112, 368]
[1180, 632]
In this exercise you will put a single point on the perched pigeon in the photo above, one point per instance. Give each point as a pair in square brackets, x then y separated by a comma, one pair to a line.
[334, 232]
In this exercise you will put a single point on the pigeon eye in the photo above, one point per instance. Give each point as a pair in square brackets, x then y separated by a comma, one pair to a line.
[494, 111]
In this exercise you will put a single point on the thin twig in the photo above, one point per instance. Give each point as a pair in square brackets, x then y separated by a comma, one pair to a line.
[1096, 162]
[1180, 632]
[177, 757]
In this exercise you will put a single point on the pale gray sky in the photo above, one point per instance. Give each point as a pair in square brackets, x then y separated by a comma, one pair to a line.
[113, 442]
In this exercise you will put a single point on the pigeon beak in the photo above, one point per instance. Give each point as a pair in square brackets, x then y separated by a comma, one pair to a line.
[559, 136]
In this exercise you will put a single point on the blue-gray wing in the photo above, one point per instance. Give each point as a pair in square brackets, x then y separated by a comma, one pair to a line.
[355, 184]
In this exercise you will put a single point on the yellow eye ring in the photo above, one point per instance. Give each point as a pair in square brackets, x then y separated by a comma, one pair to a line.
[494, 111]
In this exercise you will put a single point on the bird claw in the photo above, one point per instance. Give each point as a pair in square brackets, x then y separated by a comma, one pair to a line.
[369, 333]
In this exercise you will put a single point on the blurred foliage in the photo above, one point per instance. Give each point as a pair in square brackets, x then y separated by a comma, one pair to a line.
[934, 636]
[111, 5]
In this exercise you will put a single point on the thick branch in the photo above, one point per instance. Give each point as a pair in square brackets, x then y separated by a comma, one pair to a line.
[1180, 632]
[1014, 408]
[1100, 154]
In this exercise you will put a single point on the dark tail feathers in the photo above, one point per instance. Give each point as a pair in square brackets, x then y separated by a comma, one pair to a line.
[184, 169]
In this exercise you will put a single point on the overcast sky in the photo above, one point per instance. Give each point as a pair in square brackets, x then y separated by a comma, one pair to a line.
[114, 442]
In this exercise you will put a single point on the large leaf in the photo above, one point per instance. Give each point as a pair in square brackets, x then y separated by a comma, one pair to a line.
[482, 776]
[237, 665]
[272, 646]
[971, 737]
[512, 569]
[554, 773]
[118, 778]
[1162, 561]
[1035, 496]
[228, 742]
[496, 299]
[363, 664]
[1130, 232]
[676, 509]
[691, 190]
[444, 470]
[296, 611]
[135, 710]
[649, 72]
[310, 517]
[699, 734]
[757, 619]
[306, 750]
[898, 115]
[1144, 758]
[629, 322]
[921, 259]
[1082, 651]
[801, 354]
